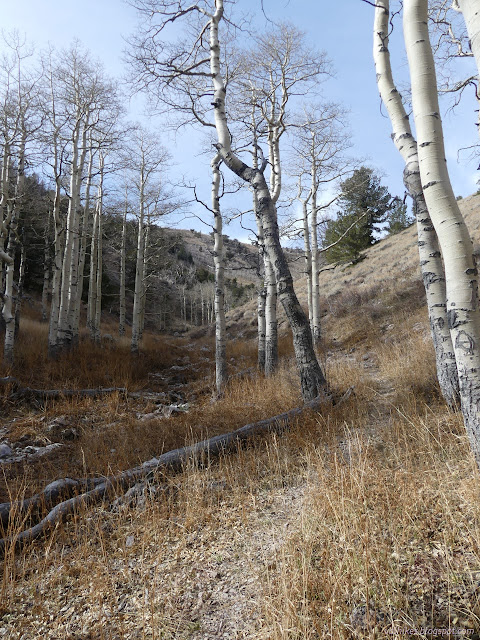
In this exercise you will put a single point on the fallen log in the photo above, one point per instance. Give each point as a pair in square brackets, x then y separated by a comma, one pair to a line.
[21, 392]
[201, 452]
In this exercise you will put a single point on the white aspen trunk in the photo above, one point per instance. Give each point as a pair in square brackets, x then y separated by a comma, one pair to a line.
[271, 324]
[221, 373]
[202, 302]
[59, 235]
[21, 280]
[262, 295]
[430, 257]
[315, 325]
[59, 232]
[9, 313]
[7, 310]
[143, 299]
[313, 382]
[121, 322]
[74, 290]
[99, 261]
[92, 279]
[455, 243]
[137, 296]
[471, 14]
[271, 320]
[308, 257]
[83, 246]
[262, 289]
[65, 331]
[99, 272]
[46, 274]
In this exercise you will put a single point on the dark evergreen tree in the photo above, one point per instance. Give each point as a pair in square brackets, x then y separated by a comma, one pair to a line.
[398, 218]
[364, 199]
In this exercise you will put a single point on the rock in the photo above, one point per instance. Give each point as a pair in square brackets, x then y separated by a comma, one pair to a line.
[69, 434]
[5, 451]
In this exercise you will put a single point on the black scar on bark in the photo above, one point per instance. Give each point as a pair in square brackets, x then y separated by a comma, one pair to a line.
[453, 319]
[465, 341]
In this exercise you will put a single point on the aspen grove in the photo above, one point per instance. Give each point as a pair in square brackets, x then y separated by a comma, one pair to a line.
[268, 129]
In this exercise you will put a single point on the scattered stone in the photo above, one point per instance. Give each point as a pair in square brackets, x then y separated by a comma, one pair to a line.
[5, 451]
[70, 434]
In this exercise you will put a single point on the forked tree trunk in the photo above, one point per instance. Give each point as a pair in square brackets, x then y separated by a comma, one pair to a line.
[221, 373]
[430, 257]
[313, 382]
[455, 243]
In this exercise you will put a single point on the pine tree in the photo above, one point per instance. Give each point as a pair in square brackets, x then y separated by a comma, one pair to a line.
[398, 219]
[362, 198]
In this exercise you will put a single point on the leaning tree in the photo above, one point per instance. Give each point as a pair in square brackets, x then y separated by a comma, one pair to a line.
[158, 59]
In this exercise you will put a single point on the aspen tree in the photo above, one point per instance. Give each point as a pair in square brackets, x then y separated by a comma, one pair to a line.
[122, 314]
[221, 372]
[320, 144]
[460, 270]
[18, 124]
[206, 62]
[430, 257]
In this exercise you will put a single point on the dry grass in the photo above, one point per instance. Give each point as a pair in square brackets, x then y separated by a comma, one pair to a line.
[362, 521]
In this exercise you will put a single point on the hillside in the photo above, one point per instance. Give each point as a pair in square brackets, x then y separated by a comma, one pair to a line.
[391, 263]
[241, 258]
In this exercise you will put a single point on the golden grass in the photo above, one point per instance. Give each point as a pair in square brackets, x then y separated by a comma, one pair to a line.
[363, 521]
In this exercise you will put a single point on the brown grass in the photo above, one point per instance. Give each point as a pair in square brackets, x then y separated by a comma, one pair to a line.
[380, 495]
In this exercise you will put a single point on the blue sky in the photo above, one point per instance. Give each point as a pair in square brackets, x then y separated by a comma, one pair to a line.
[343, 29]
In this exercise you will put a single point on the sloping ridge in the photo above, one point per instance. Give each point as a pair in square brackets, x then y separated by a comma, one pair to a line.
[392, 258]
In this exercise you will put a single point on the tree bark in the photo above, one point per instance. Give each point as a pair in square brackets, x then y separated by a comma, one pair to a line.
[430, 257]
[455, 243]
[221, 372]
[121, 322]
[313, 382]
[65, 331]
[137, 296]
[316, 330]
[471, 14]
[308, 256]
[271, 322]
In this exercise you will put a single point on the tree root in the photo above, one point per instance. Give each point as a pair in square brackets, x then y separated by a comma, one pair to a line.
[96, 490]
